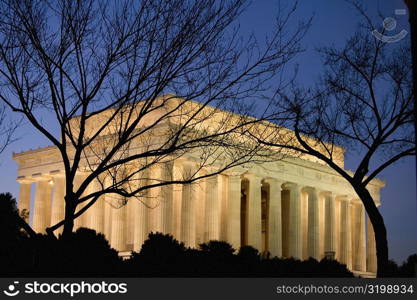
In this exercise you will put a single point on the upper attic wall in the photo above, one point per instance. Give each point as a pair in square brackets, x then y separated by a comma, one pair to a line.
[169, 111]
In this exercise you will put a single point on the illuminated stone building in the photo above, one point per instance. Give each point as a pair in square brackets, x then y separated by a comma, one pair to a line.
[294, 207]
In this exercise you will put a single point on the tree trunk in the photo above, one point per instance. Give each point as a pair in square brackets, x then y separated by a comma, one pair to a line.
[69, 216]
[25, 226]
[379, 229]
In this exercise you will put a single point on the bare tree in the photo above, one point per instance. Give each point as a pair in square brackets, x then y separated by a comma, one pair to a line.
[8, 128]
[412, 10]
[364, 102]
[131, 84]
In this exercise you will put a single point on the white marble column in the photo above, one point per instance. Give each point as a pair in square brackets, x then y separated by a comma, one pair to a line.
[58, 201]
[81, 220]
[130, 229]
[275, 217]
[346, 236]
[154, 200]
[24, 197]
[161, 199]
[140, 224]
[167, 173]
[233, 210]
[313, 224]
[222, 181]
[212, 217]
[360, 240]
[42, 206]
[295, 234]
[330, 223]
[254, 211]
[177, 199]
[188, 208]
[139, 211]
[371, 262]
[96, 214]
[304, 224]
[108, 214]
[118, 229]
[338, 215]
[200, 209]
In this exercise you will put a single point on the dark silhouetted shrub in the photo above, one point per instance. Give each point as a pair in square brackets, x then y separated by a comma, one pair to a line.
[160, 255]
[15, 252]
[218, 249]
[88, 252]
[408, 268]
[161, 247]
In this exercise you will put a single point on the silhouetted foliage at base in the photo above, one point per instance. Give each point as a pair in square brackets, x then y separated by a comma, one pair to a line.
[84, 253]
[14, 254]
[163, 256]
[159, 252]
[87, 253]
[392, 269]
[408, 268]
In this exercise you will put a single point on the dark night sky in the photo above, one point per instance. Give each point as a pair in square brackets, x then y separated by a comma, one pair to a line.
[334, 21]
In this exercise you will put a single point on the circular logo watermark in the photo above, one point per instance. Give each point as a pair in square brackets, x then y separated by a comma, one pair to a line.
[12, 290]
[390, 24]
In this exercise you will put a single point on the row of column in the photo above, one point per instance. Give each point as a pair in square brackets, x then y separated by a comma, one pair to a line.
[299, 223]
[311, 223]
[193, 213]
[49, 205]
[127, 225]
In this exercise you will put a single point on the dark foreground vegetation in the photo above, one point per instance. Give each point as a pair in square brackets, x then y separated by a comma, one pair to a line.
[89, 254]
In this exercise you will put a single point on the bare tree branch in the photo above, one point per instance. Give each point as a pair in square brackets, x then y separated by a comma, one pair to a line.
[134, 84]
[363, 103]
